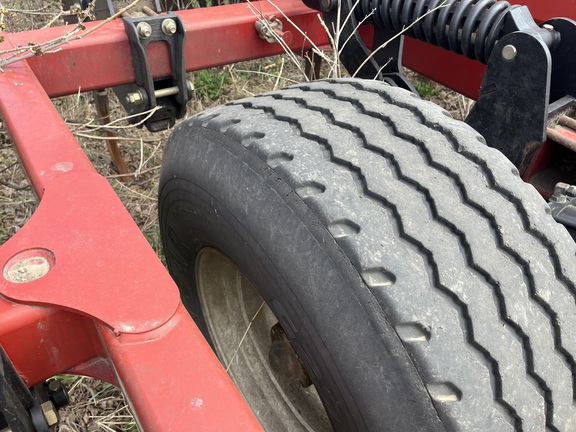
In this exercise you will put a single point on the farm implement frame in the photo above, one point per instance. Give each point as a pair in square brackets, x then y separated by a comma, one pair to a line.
[81, 290]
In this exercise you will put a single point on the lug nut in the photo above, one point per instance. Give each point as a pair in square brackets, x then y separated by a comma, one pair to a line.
[169, 27]
[144, 30]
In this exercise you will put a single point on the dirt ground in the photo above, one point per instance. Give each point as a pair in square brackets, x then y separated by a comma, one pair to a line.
[97, 406]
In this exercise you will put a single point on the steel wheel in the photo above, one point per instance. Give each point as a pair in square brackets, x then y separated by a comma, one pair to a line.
[264, 367]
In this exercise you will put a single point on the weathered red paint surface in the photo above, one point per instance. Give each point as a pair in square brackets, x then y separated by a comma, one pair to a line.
[214, 36]
[106, 306]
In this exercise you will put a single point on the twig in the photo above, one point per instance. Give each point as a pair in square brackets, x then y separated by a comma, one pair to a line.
[244, 337]
[279, 74]
[8, 167]
[13, 186]
[40, 49]
[148, 114]
[30, 11]
[132, 191]
[135, 174]
[399, 34]
[153, 153]
[107, 138]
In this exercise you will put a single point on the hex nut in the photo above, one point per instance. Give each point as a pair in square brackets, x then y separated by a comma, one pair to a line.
[169, 26]
[134, 98]
[49, 412]
[144, 30]
[57, 393]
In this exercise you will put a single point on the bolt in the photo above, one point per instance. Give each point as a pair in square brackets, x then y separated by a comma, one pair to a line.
[144, 30]
[169, 27]
[134, 98]
[54, 386]
[327, 5]
[49, 412]
[571, 191]
[57, 393]
[509, 52]
[548, 27]
[560, 190]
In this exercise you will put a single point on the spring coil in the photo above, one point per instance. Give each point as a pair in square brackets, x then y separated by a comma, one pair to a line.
[467, 27]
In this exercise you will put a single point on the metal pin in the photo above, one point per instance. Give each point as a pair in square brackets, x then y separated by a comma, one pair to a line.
[509, 52]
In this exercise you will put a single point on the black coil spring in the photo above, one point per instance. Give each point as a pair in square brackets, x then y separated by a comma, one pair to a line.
[467, 27]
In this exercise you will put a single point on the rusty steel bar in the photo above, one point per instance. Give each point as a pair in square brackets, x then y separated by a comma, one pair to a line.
[566, 137]
[102, 103]
[569, 122]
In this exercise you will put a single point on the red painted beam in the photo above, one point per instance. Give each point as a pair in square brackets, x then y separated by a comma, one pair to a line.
[223, 35]
[84, 263]
[47, 149]
[45, 341]
[545, 10]
[176, 381]
[214, 36]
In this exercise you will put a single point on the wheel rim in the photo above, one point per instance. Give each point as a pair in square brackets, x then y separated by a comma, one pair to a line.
[230, 303]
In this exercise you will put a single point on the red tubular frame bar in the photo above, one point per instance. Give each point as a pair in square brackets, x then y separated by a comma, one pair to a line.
[108, 308]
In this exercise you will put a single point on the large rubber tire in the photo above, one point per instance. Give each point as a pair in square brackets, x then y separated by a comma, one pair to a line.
[421, 281]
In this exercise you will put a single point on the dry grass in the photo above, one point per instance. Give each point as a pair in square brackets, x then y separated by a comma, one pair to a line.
[95, 406]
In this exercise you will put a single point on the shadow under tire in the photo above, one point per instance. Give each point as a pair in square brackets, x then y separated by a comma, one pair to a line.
[424, 286]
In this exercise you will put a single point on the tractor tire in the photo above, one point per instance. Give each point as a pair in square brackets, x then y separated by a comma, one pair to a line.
[423, 285]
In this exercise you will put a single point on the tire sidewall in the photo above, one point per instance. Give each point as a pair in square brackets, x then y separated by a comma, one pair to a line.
[220, 195]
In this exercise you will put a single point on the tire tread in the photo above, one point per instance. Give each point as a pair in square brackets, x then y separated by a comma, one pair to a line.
[358, 152]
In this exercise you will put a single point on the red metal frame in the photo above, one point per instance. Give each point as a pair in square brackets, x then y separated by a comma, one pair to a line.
[107, 307]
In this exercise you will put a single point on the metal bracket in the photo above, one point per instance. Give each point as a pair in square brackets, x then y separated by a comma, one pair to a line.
[171, 93]
[530, 68]
[383, 62]
[271, 30]
[512, 110]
